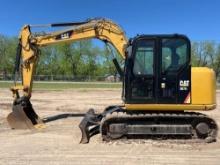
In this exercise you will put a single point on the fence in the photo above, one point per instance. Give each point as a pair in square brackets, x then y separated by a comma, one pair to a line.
[107, 78]
[66, 78]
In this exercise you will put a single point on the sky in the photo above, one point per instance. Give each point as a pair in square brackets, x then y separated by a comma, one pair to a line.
[198, 19]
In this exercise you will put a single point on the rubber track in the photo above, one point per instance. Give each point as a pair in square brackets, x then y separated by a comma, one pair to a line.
[121, 115]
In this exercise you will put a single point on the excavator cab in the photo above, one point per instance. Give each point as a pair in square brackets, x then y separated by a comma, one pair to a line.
[156, 68]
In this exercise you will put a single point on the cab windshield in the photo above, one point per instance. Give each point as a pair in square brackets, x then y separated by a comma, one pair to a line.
[174, 54]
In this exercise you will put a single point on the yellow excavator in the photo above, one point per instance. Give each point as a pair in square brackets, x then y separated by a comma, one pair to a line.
[162, 93]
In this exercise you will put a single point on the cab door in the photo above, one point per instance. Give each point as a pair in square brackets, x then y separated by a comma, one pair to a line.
[174, 79]
[140, 72]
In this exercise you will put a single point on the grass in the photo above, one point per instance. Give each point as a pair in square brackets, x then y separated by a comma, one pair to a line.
[66, 85]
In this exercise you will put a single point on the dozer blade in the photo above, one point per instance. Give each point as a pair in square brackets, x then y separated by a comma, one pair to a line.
[89, 126]
[23, 115]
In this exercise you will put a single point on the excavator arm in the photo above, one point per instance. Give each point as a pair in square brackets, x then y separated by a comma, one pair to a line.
[23, 115]
[29, 44]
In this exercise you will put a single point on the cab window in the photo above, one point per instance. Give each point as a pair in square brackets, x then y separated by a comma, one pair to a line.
[144, 57]
[174, 54]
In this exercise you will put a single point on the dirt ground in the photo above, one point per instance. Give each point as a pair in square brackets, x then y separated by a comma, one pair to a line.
[58, 143]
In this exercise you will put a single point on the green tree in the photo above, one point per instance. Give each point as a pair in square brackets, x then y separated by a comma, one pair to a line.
[8, 47]
[49, 61]
[206, 53]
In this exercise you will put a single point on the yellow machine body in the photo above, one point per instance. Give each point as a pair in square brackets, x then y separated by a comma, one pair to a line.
[202, 96]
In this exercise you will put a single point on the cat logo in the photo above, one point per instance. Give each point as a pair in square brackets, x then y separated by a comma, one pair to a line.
[184, 84]
[65, 36]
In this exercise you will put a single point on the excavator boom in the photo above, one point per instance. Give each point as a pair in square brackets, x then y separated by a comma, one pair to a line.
[30, 43]
[23, 115]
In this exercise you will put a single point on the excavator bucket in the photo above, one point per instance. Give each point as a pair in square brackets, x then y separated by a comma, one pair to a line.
[23, 115]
